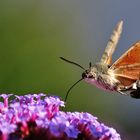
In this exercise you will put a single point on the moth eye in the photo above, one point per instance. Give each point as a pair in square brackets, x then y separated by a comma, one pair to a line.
[84, 75]
[88, 74]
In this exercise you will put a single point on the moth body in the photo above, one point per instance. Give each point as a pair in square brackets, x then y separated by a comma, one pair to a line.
[101, 76]
[123, 76]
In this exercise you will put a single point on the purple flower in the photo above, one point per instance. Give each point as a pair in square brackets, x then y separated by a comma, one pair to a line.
[37, 116]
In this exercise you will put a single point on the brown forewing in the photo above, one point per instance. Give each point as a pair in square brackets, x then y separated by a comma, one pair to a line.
[127, 67]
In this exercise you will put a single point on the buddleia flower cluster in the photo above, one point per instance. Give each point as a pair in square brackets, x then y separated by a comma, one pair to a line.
[39, 117]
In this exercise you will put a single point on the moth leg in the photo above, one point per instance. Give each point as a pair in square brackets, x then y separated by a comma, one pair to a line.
[123, 90]
[136, 92]
[138, 83]
[123, 93]
[126, 90]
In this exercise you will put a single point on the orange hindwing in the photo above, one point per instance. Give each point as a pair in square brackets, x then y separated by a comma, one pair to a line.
[127, 67]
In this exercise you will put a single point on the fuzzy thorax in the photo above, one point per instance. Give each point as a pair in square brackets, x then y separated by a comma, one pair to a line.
[101, 76]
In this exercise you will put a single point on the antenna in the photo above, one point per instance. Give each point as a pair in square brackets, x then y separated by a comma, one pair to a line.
[72, 63]
[77, 81]
[72, 88]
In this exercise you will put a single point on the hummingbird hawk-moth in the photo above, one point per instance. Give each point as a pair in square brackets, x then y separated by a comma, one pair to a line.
[122, 76]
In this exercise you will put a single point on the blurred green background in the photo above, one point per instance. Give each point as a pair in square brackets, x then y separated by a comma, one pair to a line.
[34, 34]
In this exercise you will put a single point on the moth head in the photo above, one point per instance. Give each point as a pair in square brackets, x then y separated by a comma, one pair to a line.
[89, 73]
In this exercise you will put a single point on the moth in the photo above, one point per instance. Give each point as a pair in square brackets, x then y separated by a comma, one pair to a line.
[123, 76]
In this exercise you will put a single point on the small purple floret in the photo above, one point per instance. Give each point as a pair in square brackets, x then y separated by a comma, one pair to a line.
[37, 116]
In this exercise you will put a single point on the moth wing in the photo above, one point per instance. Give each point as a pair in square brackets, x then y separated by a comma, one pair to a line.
[127, 67]
[112, 43]
[109, 61]
[132, 56]
[128, 74]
